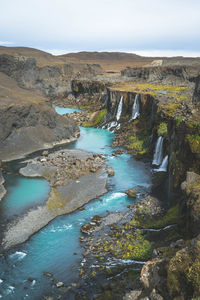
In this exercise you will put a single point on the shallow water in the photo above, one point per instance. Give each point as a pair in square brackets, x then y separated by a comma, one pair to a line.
[62, 110]
[17, 199]
[56, 248]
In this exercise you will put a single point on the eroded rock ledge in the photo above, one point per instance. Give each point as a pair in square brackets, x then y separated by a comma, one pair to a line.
[75, 177]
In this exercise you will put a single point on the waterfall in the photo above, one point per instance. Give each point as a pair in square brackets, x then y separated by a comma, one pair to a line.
[136, 108]
[118, 126]
[158, 154]
[163, 167]
[111, 125]
[119, 110]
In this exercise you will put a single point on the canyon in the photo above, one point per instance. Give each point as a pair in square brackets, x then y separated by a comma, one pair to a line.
[152, 105]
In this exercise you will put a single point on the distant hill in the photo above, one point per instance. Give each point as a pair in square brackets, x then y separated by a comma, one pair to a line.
[84, 55]
[111, 62]
[41, 56]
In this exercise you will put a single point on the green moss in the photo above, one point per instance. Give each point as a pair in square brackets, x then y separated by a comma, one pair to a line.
[179, 119]
[194, 142]
[193, 125]
[170, 108]
[177, 92]
[55, 201]
[162, 129]
[184, 272]
[137, 143]
[98, 119]
[130, 246]
[193, 274]
[176, 277]
[143, 221]
[139, 249]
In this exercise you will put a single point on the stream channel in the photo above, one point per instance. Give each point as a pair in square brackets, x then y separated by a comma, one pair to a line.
[56, 248]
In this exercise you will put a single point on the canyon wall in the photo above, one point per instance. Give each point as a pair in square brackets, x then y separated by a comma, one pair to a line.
[165, 74]
[28, 122]
[159, 116]
[53, 79]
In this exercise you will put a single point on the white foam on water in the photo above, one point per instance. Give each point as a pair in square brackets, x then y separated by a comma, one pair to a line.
[19, 255]
[115, 261]
[33, 282]
[114, 196]
[61, 228]
[10, 290]
[1, 280]
[159, 229]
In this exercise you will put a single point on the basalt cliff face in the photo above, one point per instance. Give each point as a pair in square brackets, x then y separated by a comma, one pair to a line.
[170, 74]
[170, 112]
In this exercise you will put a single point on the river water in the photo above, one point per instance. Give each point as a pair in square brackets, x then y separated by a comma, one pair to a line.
[56, 248]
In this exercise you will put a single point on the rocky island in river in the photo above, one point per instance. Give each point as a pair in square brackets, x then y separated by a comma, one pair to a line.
[151, 249]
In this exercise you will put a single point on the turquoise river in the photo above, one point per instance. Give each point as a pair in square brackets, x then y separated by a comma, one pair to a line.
[56, 248]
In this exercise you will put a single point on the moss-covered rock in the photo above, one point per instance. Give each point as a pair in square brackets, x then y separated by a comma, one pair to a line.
[162, 129]
[96, 119]
[183, 276]
[191, 187]
[194, 142]
[143, 220]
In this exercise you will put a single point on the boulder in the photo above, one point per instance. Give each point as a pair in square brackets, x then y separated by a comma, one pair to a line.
[131, 193]
[47, 274]
[110, 172]
[97, 220]
[87, 228]
[45, 153]
[59, 284]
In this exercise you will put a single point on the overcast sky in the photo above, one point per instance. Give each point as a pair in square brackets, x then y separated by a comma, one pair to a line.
[172, 26]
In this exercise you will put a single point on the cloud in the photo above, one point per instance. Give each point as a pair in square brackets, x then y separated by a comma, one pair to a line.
[90, 25]
[6, 43]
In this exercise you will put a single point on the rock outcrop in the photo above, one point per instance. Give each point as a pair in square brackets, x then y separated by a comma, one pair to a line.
[28, 123]
[52, 79]
[165, 74]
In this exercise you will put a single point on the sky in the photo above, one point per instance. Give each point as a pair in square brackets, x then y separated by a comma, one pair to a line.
[147, 27]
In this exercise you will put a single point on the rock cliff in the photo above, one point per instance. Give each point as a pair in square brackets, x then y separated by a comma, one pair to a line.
[46, 73]
[165, 74]
[28, 123]
[171, 112]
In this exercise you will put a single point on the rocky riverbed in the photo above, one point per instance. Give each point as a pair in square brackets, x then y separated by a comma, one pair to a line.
[75, 177]
[117, 248]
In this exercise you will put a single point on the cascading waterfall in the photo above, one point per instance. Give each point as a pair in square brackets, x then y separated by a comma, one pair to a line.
[119, 110]
[136, 108]
[158, 154]
[163, 167]
[112, 125]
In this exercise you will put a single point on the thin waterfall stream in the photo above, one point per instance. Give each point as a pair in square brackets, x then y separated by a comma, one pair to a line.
[136, 108]
[158, 154]
[119, 109]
